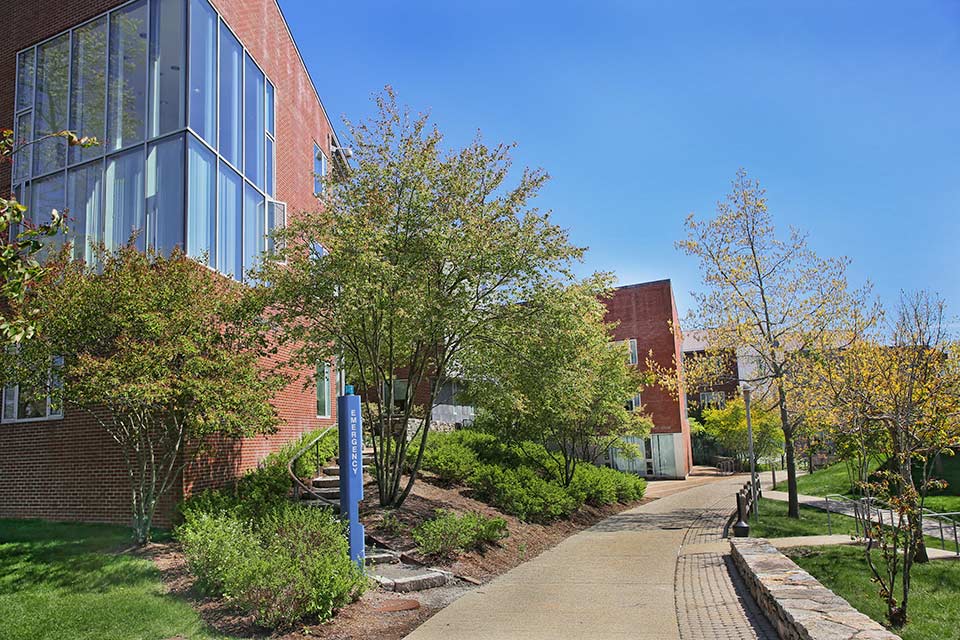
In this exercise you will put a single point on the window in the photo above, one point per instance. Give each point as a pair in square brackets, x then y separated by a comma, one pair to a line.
[254, 228]
[230, 230]
[22, 403]
[168, 65]
[319, 168]
[165, 194]
[50, 106]
[201, 202]
[203, 70]
[276, 220]
[124, 213]
[632, 345]
[127, 90]
[88, 86]
[713, 399]
[634, 403]
[84, 188]
[187, 121]
[396, 393]
[323, 390]
[231, 97]
[254, 122]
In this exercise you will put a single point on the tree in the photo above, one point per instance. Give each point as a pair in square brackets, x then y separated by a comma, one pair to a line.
[904, 379]
[411, 259]
[766, 299]
[554, 377]
[728, 426]
[19, 264]
[160, 352]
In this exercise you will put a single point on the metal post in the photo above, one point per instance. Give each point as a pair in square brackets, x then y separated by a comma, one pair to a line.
[753, 470]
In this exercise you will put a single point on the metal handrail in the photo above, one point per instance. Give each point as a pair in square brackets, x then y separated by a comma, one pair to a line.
[838, 497]
[298, 485]
[863, 517]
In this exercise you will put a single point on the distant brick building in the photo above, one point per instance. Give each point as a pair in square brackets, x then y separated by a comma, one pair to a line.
[648, 323]
[211, 131]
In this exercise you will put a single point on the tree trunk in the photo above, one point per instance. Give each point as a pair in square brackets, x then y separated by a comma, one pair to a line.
[793, 502]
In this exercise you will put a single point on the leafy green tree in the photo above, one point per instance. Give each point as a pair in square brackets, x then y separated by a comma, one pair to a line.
[19, 263]
[728, 427]
[159, 351]
[409, 262]
[767, 299]
[554, 377]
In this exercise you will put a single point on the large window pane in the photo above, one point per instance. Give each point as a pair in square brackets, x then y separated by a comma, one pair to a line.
[231, 97]
[167, 65]
[88, 86]
[276, 220]
[271, 117]
[254, 227]
[48, 194]
[165, 195]
[84, 198]
[21, 161]
[201, 202]
[51, 104]
[254, 123]
[25, 79]
[323, 390]
[128, 76]
[203, 70]
[124, 199]
[230, 229]
[268, 187]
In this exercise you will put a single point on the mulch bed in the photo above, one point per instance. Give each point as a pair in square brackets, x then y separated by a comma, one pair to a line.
[370, 616]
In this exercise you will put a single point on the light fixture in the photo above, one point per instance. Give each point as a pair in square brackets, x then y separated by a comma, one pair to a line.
[346, 152]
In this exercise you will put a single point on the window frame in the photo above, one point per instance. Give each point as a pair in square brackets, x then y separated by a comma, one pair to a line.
[49, 416]
[328, 399]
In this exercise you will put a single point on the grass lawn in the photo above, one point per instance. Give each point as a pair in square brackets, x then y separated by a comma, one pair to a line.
[832, 479]
[934, 606]
[949, 498]
[774, 522]
[66, 580]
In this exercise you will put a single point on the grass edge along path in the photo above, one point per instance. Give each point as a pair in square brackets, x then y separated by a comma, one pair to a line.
[934, 610]
[72, 580]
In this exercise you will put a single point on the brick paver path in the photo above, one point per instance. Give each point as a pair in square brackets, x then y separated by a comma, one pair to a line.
[660, 572]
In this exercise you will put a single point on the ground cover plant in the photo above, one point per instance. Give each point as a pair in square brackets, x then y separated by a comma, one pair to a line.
[70, 580]
[447, 534]
[935, 608]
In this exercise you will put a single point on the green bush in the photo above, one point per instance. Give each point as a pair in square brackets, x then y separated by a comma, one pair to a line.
[259, 489]
[290, 565]
[446, 534]
[523, 493]
[603, 485]
[215, 544]
[309, 462]
[452, 462]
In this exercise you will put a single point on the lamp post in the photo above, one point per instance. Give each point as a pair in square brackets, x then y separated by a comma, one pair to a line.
[753, 469]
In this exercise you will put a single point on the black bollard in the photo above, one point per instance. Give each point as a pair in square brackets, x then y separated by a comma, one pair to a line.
[741, 529]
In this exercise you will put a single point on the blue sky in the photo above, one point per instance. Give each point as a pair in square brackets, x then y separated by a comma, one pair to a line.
[848, 113]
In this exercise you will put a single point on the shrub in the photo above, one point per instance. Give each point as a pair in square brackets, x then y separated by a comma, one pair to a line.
[523, 493]
[446, 534]
[600, 485]
[258, 490]
[292, 564]
[452, 462]
[215, 544]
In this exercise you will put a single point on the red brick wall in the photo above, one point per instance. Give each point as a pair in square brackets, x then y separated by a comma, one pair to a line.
[647, 313]
[70, 469]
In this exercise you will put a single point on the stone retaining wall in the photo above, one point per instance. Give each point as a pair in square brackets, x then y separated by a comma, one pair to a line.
[795, 603]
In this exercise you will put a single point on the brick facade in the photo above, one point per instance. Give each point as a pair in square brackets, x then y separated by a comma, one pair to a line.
[70, 469]
[647, 313]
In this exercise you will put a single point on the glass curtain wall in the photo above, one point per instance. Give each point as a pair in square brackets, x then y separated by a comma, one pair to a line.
[187, 129]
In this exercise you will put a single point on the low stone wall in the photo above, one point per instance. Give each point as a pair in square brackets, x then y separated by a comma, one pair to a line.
[795, 603]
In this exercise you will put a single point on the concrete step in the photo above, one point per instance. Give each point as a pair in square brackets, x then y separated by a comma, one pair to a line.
[376, 555]
[330, 493]
[332, 470]
[326, 482]
[330, 504]
[404, 577]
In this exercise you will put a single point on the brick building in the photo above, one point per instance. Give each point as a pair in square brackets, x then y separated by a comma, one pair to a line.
[647, 315]
[212, 133]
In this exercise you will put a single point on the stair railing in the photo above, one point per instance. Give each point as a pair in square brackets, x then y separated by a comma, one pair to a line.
[298, 486]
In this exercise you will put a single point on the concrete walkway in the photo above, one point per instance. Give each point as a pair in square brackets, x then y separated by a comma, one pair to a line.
[626, 577]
